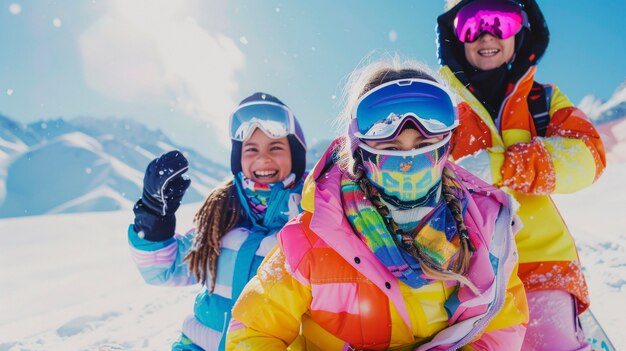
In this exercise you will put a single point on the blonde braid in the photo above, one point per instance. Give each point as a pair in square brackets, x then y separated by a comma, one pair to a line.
[461, 265]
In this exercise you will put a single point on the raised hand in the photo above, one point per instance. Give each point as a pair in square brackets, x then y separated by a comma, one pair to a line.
[164, 185]
[164, 182]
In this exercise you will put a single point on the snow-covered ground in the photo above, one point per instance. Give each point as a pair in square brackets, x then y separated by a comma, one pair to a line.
[67, 281]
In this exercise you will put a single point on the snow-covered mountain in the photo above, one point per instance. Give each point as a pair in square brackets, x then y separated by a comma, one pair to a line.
[610, 119]
[85, 164]
[91, 164]
[605, 111]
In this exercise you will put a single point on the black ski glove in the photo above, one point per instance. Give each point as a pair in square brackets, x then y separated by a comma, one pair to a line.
[164, 185]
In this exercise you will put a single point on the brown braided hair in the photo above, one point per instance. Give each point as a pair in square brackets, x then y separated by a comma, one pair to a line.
[220, 213]
[459, 268]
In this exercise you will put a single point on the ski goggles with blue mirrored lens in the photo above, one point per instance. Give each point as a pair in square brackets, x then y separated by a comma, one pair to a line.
[502, 19]
[382, 112]
[275, 120]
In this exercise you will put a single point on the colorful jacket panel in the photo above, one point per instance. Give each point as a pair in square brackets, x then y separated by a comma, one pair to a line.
[324, 284]
[568, 158]
[161, 263]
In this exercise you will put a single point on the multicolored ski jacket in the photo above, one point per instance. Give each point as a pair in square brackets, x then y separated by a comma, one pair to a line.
[242, 251]
[324, 289]
[569, 157]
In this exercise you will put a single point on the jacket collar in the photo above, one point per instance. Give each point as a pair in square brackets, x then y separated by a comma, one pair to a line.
[505, 117]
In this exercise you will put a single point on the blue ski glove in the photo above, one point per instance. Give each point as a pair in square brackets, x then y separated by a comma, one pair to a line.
[164, 185]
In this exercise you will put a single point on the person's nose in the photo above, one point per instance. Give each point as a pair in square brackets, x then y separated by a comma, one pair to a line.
[406, 146]
[486, 37]
[264, 157]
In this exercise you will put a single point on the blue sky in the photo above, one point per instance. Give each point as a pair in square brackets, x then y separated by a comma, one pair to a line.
[181, 66]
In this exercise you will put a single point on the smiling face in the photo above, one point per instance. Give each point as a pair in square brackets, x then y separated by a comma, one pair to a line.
[265, 160]
[489, 52]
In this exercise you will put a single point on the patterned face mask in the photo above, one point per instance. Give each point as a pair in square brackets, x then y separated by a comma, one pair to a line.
[406, 179]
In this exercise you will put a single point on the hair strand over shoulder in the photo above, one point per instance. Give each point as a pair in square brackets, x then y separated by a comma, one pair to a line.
[220, 213]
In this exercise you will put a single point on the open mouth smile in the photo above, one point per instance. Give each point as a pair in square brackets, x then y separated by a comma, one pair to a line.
[488, 52]
[265, 174]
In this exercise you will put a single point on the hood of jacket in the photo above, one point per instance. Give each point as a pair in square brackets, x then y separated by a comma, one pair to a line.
[451, 53]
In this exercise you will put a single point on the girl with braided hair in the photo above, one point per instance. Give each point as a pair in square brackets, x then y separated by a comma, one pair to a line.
[396, 247]
[236, 226]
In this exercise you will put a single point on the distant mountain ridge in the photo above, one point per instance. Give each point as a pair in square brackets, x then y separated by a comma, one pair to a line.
[97, 164]
[610, 118]
[602, 112]
[86, 164]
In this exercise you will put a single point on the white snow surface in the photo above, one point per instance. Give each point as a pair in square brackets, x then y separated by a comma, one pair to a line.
[68, 282]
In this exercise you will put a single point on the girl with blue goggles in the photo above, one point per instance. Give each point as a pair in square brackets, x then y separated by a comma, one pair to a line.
[405, 167]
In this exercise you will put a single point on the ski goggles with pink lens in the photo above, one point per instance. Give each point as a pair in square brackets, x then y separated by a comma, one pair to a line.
[275, 120]
[381, 113]
[500, 18]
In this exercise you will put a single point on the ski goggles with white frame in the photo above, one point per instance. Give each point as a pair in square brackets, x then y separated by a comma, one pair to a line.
[275, 120]
[381, 113]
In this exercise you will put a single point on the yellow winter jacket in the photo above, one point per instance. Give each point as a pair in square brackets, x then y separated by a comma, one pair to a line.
[568, 158]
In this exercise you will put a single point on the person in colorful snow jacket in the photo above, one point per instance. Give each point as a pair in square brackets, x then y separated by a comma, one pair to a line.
[396, 248]
[235, 227]
[528, 138]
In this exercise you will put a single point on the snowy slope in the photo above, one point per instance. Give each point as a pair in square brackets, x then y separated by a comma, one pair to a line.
[68, 282]
[85, 164]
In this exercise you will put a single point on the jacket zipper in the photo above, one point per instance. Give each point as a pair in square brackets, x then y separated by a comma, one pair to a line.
[499, 117]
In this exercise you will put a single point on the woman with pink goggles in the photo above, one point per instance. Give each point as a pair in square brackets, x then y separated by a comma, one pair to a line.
[528, 139]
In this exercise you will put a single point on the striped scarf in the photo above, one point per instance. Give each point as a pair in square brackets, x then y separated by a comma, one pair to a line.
[258, 195]
[436, 237]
